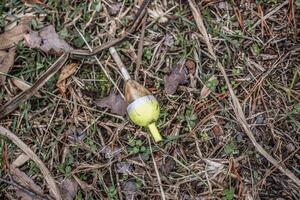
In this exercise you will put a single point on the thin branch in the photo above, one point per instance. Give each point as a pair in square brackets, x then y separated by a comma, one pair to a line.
[19, 143]
[26, 94]
[236, 104]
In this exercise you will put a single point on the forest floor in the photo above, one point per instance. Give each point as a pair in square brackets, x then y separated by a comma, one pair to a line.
[225, 73]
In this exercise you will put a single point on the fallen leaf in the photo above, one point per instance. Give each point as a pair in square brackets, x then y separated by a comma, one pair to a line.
[11, 37]
[114, 8]
[290, 147]
[33, 40]
[6, 62]
[65, 73]
[114, 102]
[76, 135]
[111, 153]
[191, 66]
[23, 85]
[68, 189]
[25, 181]
[129, 189]
[51, 40]
[169, 40]
[177, 76]
[47, 40]
[205, 90]
[213, 167]
[217, 129]
[124, 168]
[169, 165]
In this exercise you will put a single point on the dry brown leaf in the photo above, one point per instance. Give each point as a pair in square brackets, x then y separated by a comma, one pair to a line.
[114, 102]
[66, 72]
[129, 188]
[6, 62]
[114, 8]
[47, 40]
[213, 167]
[191, 66]
[68, 189]
[11, 37]
[23, 85]
[217, 129]
[177, 76]
[205, 90]
[124, 168]
[33, 40]
[25, 181]
[168, 166]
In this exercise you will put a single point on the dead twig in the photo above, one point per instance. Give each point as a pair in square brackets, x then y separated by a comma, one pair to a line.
[163, 196]
[51, 182]
[26, 94]
[140, 49]
[236, 104]
[139, 16]
[270, 13]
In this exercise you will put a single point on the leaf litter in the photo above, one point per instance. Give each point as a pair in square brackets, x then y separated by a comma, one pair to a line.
[205, 91]
[22, 85]
[212, 167]
[68, 188]
[114, 8]
[7, 59]
[47, 40]
[11, 37]
[178, 75]
[114, 102]
[25, 181]
[129, 188]
[65, 73]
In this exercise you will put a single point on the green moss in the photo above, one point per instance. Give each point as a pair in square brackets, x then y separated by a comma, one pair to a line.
[101, 83]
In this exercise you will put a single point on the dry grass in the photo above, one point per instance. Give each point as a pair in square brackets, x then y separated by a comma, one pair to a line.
[241, 141]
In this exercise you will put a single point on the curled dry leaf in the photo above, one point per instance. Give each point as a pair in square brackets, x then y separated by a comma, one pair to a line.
[114, 102]
[205, 90]
[11, 37]
[47, 40]
[7, 59]
[66, 72]
[22, 179]
[177, 76]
